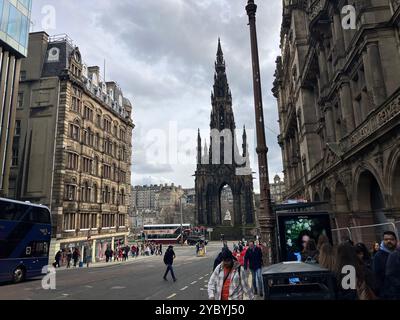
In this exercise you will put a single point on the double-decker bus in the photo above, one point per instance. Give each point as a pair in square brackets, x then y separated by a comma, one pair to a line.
[166, 233]
[25, 234]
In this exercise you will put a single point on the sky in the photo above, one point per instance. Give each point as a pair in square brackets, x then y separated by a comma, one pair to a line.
[162, 54]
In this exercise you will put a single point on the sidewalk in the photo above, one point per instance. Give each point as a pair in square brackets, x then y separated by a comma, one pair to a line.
[109, 264]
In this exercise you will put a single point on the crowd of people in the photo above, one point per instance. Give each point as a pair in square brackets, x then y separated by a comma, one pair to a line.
[231, 270]
[377, 271]
[122, 253]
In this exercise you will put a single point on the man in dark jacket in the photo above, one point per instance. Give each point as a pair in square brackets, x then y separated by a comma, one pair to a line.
[253, 259]
[169, 260]
[392, 276]
[388, 246]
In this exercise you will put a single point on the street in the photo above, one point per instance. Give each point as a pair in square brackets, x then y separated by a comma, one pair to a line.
[139, 279]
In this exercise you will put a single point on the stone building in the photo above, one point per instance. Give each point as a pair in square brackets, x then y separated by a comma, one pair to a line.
[338, 93]
[277, 189]
[14, 29]
[73, 147]
[145, 197]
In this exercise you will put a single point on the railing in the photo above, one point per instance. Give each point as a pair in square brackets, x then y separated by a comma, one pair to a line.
[368, 234]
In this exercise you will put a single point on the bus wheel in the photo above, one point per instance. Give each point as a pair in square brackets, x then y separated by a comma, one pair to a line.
[18, 275]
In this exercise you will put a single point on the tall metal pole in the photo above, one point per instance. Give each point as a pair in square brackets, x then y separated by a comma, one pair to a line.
[181, 222]
[265, 216]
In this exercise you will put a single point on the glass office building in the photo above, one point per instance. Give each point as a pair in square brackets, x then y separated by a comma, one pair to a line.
[15, 23]
[14, 33]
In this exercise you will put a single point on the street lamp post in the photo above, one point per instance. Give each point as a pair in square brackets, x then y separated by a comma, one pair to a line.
[265, 216]
[181, 221]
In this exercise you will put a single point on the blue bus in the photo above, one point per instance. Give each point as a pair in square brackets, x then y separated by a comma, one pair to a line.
[25, 234]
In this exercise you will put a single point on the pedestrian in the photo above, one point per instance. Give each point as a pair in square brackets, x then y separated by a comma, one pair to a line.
[88, 256]
[326, 257]
[75, 256]
[228, 281]
[57, 258]
[392, 276]
[375, 248]
[107, 254]
[254, 260]
[169, 260]
[387, 246]
[366, 262]
[69, 258]
[137, 251]
[160, 249]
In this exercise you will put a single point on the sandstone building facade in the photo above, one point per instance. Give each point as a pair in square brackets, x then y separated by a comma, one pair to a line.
[338, 93]
[72, 147]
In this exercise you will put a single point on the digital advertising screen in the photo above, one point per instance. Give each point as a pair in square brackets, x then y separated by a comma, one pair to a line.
[296, 228]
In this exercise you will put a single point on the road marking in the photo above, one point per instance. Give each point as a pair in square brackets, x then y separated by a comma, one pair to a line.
[65, 294]
[201, 278]
[89, 287]
[171, 296]
[206, 274]
[184, 288]
[193, 282]
[202, 289]
[206, 285]
[117, 288]
[206, 281]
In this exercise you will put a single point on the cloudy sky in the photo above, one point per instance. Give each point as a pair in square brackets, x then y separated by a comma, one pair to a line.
[162, 55]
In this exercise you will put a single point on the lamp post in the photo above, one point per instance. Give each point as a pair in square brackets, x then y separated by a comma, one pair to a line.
[265, 215]
[180, 200]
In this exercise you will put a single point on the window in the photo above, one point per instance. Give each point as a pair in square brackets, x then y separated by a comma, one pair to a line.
[122, 201]
[15, 155]
[93, 222]
[70, 192]
[88, 113]
[122, 134]
[69, 221]
[20, 102]
[87, 165]
[22, 75]
[121, 220]
[98, 121]
[14, 22]
[108, 147]
[84, 221]
[115, 130]
[75, 105]
[17, 130]
[74, 131]
[85, 137]
[122, 176]
[91, 137]
[72, 161]
[106, 171]
[107, 125]
[106, 194]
